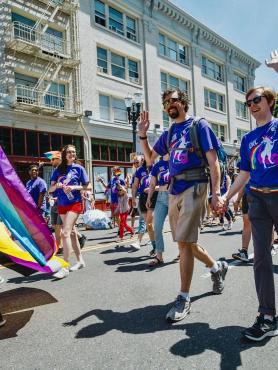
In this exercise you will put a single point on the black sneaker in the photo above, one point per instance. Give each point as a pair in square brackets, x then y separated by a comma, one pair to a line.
[218, 277]
[82, 240]
[2, 320]
[261, 329]
[242, 255]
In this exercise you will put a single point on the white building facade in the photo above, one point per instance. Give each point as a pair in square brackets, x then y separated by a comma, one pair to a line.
[59, 60]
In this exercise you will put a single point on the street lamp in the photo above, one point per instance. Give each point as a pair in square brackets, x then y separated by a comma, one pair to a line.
[133, 107]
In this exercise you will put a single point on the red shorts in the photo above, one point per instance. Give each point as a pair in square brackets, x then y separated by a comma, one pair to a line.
[75, 207]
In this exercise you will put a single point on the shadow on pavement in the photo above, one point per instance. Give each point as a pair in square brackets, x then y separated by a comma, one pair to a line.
[143, 320]
[226, 341]
[119, 248]
[30, 279]
[12, 304]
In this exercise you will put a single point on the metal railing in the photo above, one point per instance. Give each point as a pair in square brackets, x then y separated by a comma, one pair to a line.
[46, 42]
[45, 99]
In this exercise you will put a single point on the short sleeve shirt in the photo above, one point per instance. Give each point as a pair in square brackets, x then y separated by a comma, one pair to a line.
[35, 188]
[75, 175]
[182, 157]
[259, 155]
[143, 175]
[161, 172]
[113, 186]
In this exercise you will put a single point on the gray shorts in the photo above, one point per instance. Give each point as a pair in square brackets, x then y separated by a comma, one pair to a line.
[55, 217]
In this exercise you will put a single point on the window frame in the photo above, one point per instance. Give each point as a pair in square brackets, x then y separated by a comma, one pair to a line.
[205, 68]
[168, 85]
[167, 42]
[241, 107]
[217, 100]
[221, 131]
[236, 83]
[111, 109]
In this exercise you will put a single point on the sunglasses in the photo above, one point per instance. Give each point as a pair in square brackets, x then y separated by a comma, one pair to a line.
[170, 101]
[255, 100]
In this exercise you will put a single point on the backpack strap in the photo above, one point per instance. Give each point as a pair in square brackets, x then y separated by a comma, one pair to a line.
[169, 137]
[194, 138]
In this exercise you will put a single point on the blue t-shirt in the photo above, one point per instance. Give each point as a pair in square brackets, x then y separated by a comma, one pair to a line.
[224, 185]
[35, 187]
[259, 155]
[113, 186]
[161, 171]
[143, 175]
[181, 157]
[75, 175]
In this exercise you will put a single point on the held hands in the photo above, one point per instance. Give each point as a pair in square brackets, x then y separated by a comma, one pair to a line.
[218, 204]
[144, 123]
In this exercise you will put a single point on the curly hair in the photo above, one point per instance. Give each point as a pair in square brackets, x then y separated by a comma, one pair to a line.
[182, 95]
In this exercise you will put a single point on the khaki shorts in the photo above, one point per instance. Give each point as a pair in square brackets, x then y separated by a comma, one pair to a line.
[185, 212]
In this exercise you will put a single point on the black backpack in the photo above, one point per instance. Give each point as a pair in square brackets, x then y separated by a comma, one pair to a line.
[221, 154]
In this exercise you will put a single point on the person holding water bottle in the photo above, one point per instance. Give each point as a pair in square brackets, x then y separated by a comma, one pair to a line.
[67, 180]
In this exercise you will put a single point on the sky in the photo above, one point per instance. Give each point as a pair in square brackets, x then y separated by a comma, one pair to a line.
[251, 25]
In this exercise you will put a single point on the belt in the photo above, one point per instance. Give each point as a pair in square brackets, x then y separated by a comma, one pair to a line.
[265, 189]
[194, 174]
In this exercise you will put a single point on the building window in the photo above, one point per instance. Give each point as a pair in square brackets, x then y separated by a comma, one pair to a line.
[114, 105]
[214, 100]
[104, 107]
[166, 120]
[173, 50]
[111, 150]
[102, 60]
[117, 21]
[5, 139]
[219, 131]
[171, 82]
[55, 96]
[118, 65]
[240, 83]
[18, 142]
[44, 142]
[212, 69]
[100, 13]
[241, 110]
[240, 134]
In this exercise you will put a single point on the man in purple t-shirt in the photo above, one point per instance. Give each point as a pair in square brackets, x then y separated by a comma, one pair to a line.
[37, 187]
[187, 197]
[259, 168]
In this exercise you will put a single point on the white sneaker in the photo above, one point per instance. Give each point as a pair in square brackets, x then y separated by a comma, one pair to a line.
[62, 273]
[230, 225]
[2, 280]
[136, 246]
[78, 266]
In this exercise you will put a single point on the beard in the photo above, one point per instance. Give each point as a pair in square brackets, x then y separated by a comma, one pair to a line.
[173, 113]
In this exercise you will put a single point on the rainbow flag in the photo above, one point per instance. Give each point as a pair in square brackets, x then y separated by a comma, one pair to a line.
[20, 215]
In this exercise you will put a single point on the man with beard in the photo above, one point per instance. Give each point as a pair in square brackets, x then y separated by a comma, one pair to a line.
[188, 191]
[37, 187]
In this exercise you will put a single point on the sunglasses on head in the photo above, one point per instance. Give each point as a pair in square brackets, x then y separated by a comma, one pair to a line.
[255, 100]
[170, 101]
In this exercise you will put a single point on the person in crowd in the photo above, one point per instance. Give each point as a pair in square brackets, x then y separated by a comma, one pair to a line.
[160, 182]
[141, 186]
[37, 188]
[137, 161]
[188, 191]
[112, 186]
[225, 186]
[68, 180]
[259, 167]
[122, 210]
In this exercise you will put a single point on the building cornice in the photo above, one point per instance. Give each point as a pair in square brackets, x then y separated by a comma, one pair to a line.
[201, 31]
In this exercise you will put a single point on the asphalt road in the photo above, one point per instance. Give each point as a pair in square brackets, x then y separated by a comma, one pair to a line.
[111, 315]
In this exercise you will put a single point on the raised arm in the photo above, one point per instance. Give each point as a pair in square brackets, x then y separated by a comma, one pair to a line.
[143, 126]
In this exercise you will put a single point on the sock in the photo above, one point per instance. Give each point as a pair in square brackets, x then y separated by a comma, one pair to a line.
[215, 267]
[185, 296]
[153, 243]
[268, 317]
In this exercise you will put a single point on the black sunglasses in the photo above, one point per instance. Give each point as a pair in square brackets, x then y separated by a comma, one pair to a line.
[170, 101]
[255, 100]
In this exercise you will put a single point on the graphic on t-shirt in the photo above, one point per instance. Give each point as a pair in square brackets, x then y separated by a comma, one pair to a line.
[145, 181]
[163, 177]
[263, 153]
[179, 153]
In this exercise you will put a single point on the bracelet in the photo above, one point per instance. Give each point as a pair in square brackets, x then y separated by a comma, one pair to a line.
[143, 137]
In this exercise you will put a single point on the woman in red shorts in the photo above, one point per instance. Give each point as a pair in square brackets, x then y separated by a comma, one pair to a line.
[67, 180]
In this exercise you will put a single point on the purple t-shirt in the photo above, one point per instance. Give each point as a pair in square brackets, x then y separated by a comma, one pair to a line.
[113, 186]
[143, 175]
[35, 187]
[161, 171]
[181, 158]
[259, 155]
[75, 175]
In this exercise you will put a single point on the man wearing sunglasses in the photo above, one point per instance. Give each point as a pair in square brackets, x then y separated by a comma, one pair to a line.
[259, 167]
[37, 187]
[188, 193]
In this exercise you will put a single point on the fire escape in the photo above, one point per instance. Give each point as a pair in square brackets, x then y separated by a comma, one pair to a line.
[60, 53]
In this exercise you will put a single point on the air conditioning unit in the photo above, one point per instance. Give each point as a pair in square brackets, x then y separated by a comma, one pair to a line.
[100, 69]
[134, 80]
